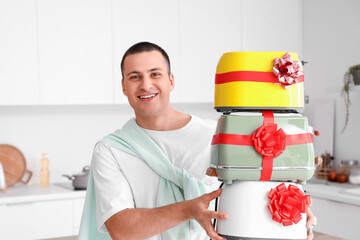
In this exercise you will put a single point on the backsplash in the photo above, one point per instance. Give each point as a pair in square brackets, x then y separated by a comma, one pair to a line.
[68, 133]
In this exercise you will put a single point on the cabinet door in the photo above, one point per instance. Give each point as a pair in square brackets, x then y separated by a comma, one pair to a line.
[78, 206]
[36, 220]
[336, 218]
[75, 51]
[18, 53]
[134, 21]
[272, 25]
[208, 29]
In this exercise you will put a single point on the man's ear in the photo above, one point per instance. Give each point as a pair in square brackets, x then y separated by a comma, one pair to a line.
[172, 81]
[123, 87]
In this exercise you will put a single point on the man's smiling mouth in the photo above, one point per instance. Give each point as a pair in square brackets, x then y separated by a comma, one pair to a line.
[147, 96]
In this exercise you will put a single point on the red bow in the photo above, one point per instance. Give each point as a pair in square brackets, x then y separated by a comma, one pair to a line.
[287, 204]
[286, 70]
[268, 141]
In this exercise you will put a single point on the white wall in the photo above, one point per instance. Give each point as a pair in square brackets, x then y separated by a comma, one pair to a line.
[68, 133]
[331, 43]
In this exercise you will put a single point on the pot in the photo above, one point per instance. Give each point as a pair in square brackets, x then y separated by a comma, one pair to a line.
[79, 181]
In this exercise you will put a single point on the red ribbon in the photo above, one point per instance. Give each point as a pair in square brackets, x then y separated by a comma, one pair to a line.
[264, 133]
[245, 140]
[267, 141]
[249, 76]
[287, 204]
[286, 70]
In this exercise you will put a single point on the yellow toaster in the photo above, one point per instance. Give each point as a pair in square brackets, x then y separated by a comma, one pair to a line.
[254, 81]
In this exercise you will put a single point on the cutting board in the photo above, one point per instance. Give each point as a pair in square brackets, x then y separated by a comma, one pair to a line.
[14, 165]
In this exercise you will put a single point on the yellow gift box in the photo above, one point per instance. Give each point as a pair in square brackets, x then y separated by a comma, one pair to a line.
[245, 80]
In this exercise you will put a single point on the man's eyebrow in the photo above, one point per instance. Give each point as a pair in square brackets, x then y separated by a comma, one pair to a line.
[150, 70]
[133, 72]
[155, 69]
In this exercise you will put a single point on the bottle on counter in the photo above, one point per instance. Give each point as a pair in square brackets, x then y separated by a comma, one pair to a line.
[44, 171]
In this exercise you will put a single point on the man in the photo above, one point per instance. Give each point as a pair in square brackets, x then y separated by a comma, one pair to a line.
[136, 199]
[126, 187]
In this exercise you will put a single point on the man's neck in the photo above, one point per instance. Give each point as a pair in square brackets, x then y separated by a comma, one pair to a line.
[171, 121]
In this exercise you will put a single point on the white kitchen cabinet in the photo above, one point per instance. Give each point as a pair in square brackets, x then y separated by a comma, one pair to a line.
[36, 220]
[75, 52]
[272, 25]
[336, 218]
[32, 212]
[134, 21]
[18, 53]
[78, 206]
[207, 30]
[69, 52]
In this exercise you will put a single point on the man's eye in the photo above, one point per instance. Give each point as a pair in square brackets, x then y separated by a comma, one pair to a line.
[156, 74]
[134, 77]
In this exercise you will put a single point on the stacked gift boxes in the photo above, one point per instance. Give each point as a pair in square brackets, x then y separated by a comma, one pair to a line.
[263, 147]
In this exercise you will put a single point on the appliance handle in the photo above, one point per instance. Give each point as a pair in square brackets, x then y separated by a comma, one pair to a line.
[216, 206]
[29, 174]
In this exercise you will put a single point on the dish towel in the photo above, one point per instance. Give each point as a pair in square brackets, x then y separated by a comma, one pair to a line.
[175, 185]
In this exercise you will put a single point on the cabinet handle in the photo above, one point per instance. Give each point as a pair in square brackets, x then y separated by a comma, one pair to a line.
[19, 204]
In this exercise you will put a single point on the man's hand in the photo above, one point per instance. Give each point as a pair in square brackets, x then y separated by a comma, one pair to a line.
[309, 223]
[198, 210]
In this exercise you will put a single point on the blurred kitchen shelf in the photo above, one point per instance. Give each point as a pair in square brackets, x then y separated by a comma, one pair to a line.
[21, 193]
[334, 191]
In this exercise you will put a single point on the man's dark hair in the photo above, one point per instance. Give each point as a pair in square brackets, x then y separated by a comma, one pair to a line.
[144, 47]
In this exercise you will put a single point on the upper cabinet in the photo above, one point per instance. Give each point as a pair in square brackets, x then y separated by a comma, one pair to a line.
[69, 51]
[75, 51]
[208, 28]
[135, 21]
[18, 53]
[272, 25]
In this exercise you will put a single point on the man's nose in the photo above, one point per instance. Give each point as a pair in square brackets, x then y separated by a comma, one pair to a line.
[146, 83]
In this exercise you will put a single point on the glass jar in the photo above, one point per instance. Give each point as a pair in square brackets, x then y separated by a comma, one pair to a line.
[346, 166]
[355, 175]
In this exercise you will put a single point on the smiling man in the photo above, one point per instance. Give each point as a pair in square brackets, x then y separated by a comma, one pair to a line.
[150, 176]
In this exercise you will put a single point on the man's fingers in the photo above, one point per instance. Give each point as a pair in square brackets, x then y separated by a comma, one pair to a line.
[310, 218]
[212, 234]
[310, 235]
[218, 215]
[214, 194]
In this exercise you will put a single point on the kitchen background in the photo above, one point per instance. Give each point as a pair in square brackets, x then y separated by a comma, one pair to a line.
[60, 88]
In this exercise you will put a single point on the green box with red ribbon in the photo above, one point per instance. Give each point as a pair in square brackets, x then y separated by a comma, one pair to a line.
[263, 146]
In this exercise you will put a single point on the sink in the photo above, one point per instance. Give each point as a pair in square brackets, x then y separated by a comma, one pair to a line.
[352, 191]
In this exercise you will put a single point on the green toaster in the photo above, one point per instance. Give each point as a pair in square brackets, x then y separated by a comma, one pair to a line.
[258, 146]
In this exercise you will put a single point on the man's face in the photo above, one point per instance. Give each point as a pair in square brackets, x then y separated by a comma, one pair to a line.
[147, 83]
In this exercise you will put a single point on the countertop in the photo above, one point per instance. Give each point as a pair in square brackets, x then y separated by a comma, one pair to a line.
[22, 193]
[339, 192]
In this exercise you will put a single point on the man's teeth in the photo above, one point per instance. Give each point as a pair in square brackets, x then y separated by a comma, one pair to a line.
[148, 96]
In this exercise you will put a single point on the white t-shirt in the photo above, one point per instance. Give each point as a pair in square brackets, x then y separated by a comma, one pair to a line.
[123, 181]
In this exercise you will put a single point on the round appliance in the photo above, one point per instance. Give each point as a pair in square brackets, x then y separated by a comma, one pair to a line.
[246, 202]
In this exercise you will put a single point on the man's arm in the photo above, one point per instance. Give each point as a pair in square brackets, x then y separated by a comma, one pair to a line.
[144, 223]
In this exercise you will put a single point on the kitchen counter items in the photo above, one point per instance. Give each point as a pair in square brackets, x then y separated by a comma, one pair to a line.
[14, 165]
